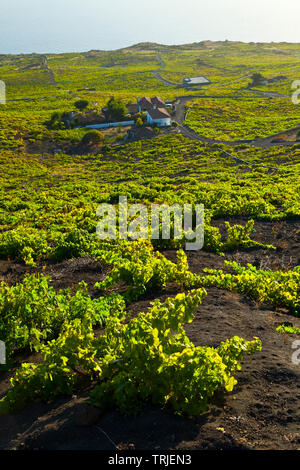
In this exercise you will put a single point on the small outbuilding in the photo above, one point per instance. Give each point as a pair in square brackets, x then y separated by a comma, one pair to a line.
[139, 133]
[132, 108]
[195, 81]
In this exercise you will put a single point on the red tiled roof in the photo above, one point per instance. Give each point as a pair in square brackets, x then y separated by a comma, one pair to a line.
[145, 102]
[157, 101]
[148, 103]
[159, 113]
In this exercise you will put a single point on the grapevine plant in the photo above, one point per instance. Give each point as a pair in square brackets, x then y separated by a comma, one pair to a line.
[146, 359]
[144, 270]
[32, 312]
[289, 329]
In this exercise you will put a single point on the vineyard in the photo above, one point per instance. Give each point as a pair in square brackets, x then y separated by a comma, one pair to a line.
[233, 119]
[161, 347]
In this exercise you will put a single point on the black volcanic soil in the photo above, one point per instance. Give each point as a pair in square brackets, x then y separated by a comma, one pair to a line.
[262, 412]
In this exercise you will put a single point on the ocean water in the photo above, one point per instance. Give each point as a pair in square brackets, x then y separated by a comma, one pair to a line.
[42, 26]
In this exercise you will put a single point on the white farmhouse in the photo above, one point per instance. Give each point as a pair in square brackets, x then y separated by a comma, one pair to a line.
[158, 116]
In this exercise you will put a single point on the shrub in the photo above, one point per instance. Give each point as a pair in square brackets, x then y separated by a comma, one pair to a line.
[24, 244]
[257, 79]
[81, 104]
[73, 244]
[93, 137]
[139, 122]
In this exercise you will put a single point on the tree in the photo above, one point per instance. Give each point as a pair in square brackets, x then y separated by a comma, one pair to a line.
[116, 109]
[93, 137]
[56, 121]
[81, 104]
[257, 79]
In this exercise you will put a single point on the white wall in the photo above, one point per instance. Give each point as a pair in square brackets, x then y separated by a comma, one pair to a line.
[110, 124]
[160, 122]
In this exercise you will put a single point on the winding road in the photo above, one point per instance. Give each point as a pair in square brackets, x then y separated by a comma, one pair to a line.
[53, 82]
[158, 76]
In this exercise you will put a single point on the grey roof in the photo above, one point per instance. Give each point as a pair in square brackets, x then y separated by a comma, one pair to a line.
[196, 80]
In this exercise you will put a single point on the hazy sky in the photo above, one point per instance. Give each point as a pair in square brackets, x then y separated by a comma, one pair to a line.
[80, 25]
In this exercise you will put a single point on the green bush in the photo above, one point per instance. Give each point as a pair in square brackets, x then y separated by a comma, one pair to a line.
[81, 104]
[93, 137]
[72, 244]
[24, 244]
